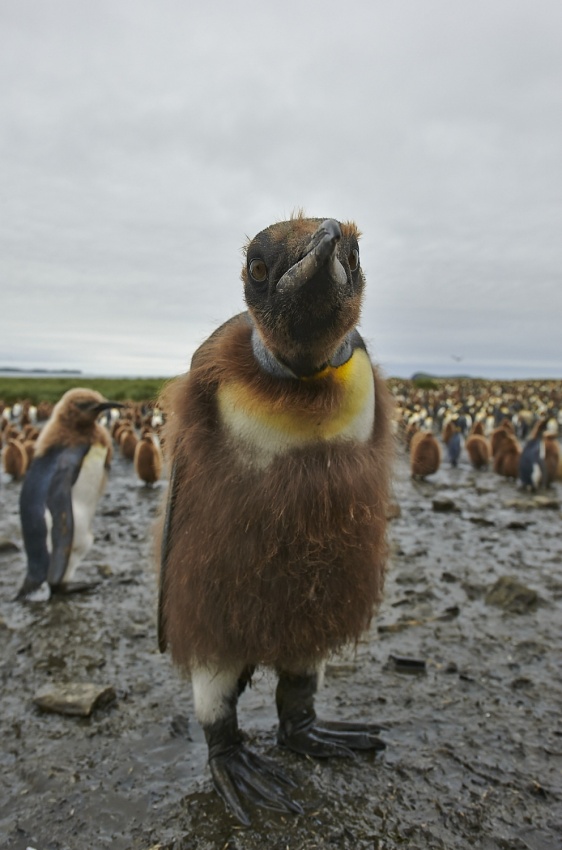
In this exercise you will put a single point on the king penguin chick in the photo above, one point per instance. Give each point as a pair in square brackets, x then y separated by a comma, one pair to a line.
[274, 539]
[148, 458]
[61, 490]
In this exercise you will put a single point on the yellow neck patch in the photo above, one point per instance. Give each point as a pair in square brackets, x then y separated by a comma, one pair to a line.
[263, 429]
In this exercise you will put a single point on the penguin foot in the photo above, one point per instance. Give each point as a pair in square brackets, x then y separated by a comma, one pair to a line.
[330, 739]
[238, 772]
[70, 587]
[30, 591]
[245, 773]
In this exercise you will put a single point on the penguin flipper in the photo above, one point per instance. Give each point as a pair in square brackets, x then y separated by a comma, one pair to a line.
[164, 554]
[59, 503]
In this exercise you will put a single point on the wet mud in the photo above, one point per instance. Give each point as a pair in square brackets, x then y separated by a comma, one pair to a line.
[463, 665]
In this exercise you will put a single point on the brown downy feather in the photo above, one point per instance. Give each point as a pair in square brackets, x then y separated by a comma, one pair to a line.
[425, 454]
[478, 450]
[14, 458]
[148, 459]
[68, 426]
[506, 455]
[276, 567]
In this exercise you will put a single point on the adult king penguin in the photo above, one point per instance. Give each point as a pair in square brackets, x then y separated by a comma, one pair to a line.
[61, 490]
[274, 539]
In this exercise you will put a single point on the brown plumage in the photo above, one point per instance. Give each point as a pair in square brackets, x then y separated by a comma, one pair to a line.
[276, 612]
[72, 423]
[552, 458]
[507, 454]
[148, 458]
[274, 543]
[425, 454]
[127, 443]
[478, 450]
[14, 459]
[478, 429]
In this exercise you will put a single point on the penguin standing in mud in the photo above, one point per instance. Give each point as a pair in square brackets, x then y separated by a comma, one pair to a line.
[61, 490]
[532, 467]
[274, 539]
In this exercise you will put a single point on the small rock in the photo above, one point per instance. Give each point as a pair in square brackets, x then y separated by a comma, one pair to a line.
[8, 546]
[481, 520]
[74, 698]
[402, 664]
[508, 593]
[104, 570]
[444, 504]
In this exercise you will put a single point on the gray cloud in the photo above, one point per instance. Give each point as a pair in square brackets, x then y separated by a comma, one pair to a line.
[141, 143]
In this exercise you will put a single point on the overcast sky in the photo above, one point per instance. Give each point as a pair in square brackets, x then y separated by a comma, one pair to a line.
[142, 142]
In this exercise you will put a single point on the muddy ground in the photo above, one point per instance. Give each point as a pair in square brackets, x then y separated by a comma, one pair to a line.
[474, 741]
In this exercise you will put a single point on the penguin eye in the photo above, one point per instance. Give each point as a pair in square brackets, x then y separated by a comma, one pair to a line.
[353, 259]
[258, 271]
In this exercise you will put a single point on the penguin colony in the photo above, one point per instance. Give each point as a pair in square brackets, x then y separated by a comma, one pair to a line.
[510, 427]
[513, 427]
[274, 543]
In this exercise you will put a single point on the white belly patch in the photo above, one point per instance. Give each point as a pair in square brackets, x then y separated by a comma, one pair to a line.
[86, 493]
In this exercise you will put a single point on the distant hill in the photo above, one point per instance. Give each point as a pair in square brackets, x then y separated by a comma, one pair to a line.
[40, 371]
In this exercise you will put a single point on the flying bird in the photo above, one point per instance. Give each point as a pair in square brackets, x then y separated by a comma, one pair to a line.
[60, 492]
[274, 539]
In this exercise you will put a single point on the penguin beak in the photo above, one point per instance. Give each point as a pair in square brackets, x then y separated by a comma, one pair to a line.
[106, 405]
[320, 254]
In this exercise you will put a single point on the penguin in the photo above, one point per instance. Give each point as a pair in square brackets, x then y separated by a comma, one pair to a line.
[454, 442]
[274, 537]
[507, 453]
[148, 458]
[14, 458]
[478, 450]
[61, 489]
[425, 455]
[532, 467]
[552, 458]
[128, 442]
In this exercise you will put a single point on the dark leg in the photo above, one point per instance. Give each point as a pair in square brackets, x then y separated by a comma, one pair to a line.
[299, 729]
[237, 772]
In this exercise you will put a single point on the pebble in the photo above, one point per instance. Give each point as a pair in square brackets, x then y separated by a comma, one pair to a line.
[513, 596]
[74, 698]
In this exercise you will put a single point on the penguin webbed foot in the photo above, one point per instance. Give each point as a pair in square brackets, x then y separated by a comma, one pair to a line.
[68, 588]
[241, 772]
[327, 739]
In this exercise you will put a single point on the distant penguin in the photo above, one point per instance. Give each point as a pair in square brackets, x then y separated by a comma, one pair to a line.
[128, 442]
[14, 458]
[507, 454]
[454, 445]
[425, 454]
[532, 467]
[274, 544]
[552, 458]
[148, 458]
[61, 490]
[478, 450]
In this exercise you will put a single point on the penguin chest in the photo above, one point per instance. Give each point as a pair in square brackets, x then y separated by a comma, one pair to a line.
[262, 428]
[86, 492]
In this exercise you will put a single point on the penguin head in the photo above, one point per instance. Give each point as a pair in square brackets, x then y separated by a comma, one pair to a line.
[303, 285]
[81, 407]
